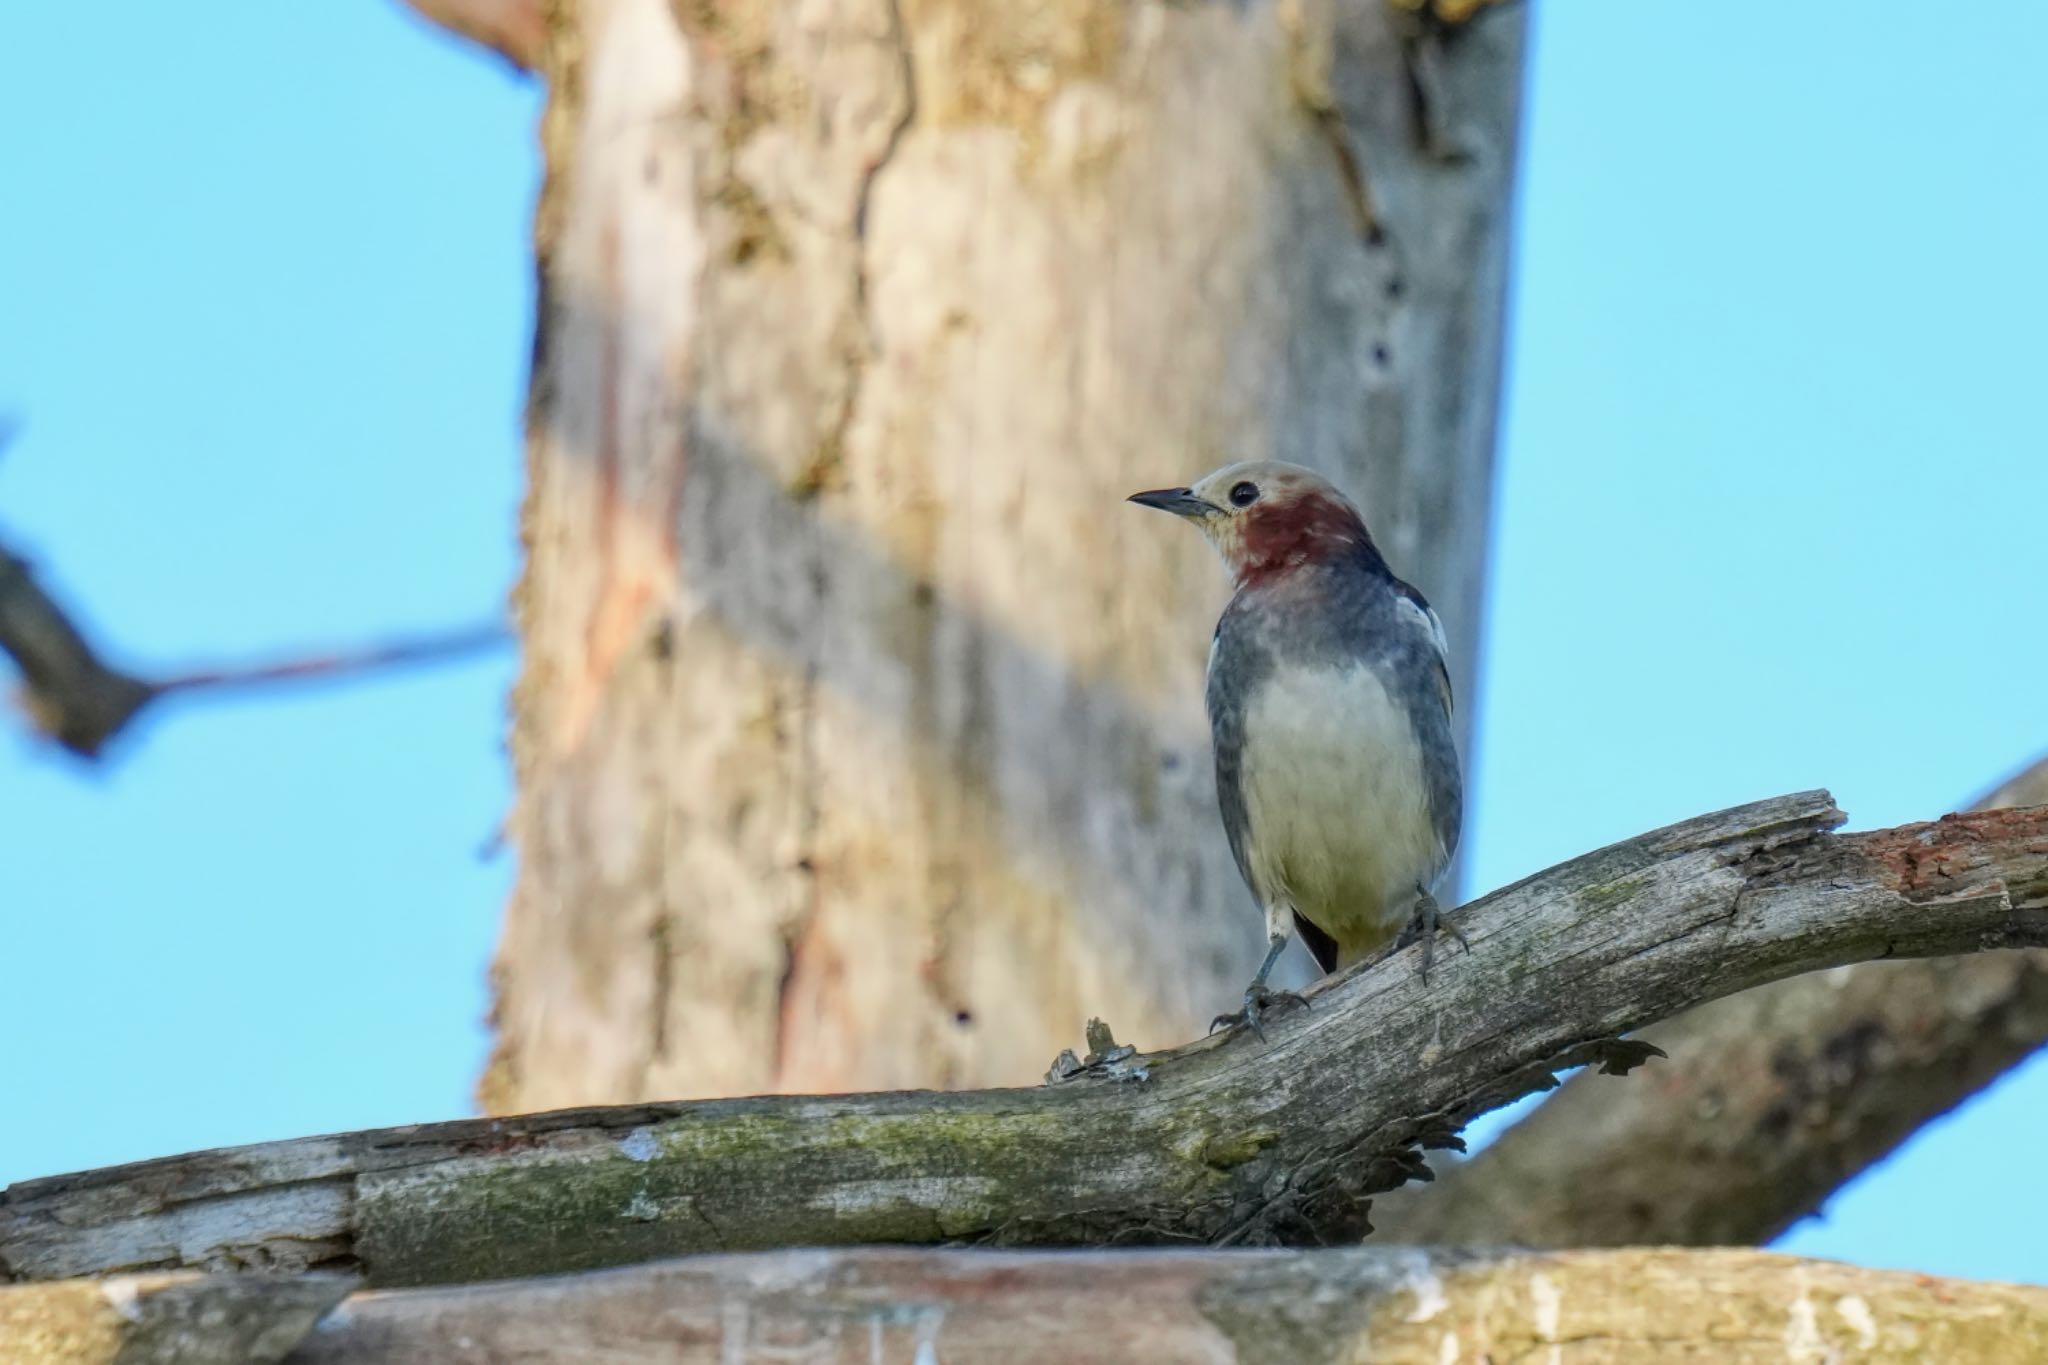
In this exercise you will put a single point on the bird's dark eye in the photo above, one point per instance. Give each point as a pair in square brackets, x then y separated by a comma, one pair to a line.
[1244, 494]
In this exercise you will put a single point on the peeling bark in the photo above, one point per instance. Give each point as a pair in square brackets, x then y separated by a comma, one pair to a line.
[1228, 1140]
[860, 738]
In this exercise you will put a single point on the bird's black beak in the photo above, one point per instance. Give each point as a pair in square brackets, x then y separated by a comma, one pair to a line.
[1179, 501]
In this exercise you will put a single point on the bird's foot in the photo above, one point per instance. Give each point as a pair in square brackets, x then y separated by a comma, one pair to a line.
[1257, 1001]
[1107, 1059]
[1423, 925]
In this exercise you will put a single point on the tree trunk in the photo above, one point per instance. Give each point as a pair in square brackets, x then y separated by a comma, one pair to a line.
[860, 740]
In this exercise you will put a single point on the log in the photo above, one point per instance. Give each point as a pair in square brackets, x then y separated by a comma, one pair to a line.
[1233, 1139]
[1392, 1306]
[1774, 1100]
[180, 1317]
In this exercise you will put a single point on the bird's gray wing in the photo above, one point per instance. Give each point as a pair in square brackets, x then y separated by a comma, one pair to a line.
[1236, 667]
[1421, 645]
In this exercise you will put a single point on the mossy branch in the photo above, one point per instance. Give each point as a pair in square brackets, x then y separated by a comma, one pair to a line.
[1227, 1140]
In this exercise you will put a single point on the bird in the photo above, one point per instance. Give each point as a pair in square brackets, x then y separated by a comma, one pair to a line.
[1329, 699]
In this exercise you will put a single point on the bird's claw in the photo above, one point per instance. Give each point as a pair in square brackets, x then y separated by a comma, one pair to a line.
[1257, 1001]
[1423, 925]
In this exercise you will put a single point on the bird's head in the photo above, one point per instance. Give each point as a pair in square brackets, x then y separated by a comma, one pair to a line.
[1267, 518]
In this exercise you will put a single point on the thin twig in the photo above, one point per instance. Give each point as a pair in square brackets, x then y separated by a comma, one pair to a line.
[341, 664]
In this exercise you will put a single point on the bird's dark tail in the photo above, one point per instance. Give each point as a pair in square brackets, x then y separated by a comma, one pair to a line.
[1320, 945]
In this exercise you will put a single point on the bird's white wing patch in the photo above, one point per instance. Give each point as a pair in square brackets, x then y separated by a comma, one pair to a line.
[1418, 612]
[1427, 617]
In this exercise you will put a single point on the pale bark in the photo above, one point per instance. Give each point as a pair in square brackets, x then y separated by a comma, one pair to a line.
[1392, 1306]
[1773, 1099]
[860, 739]
[1231, 1139]
[174, 1319]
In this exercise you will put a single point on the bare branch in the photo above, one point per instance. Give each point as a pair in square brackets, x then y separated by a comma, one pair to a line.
[1230, 1139]
[1774, 1099]
[1393, 1306]
[69, 692]
[516, 30]
[75, 697]
[341, 664]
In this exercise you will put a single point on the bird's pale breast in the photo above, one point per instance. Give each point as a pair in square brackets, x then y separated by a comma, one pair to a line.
[1336, 801]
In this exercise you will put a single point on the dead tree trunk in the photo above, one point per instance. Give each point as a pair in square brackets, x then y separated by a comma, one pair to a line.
[860, 738]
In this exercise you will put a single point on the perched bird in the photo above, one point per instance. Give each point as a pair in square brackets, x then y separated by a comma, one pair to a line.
[1330, 702]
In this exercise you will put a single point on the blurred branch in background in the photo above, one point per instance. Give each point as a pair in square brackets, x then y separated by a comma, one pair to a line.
[76, 698]
[137, 1319]
[1772, 1101]
[1387, 1305]
[514, 29]
[79, 700]
[1398, 1304]
[68, 692]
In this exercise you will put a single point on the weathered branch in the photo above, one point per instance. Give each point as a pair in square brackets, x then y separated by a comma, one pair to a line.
[1387, 1305]
[516, 30]
[135, 1319]
[1772, 1101]
[1228, 1140]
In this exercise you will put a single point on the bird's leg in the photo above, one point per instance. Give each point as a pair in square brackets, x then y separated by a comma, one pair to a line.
[1424, 923]
[1256, 996]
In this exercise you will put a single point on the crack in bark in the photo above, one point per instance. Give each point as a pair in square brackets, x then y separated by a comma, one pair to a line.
[1330, 123]
[796, 938]
[1424, 36]
[815, 479]
[899, 34]
[823, 468]
[660, 942]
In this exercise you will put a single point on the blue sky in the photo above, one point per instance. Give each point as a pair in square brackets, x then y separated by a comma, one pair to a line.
[1770, 518]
